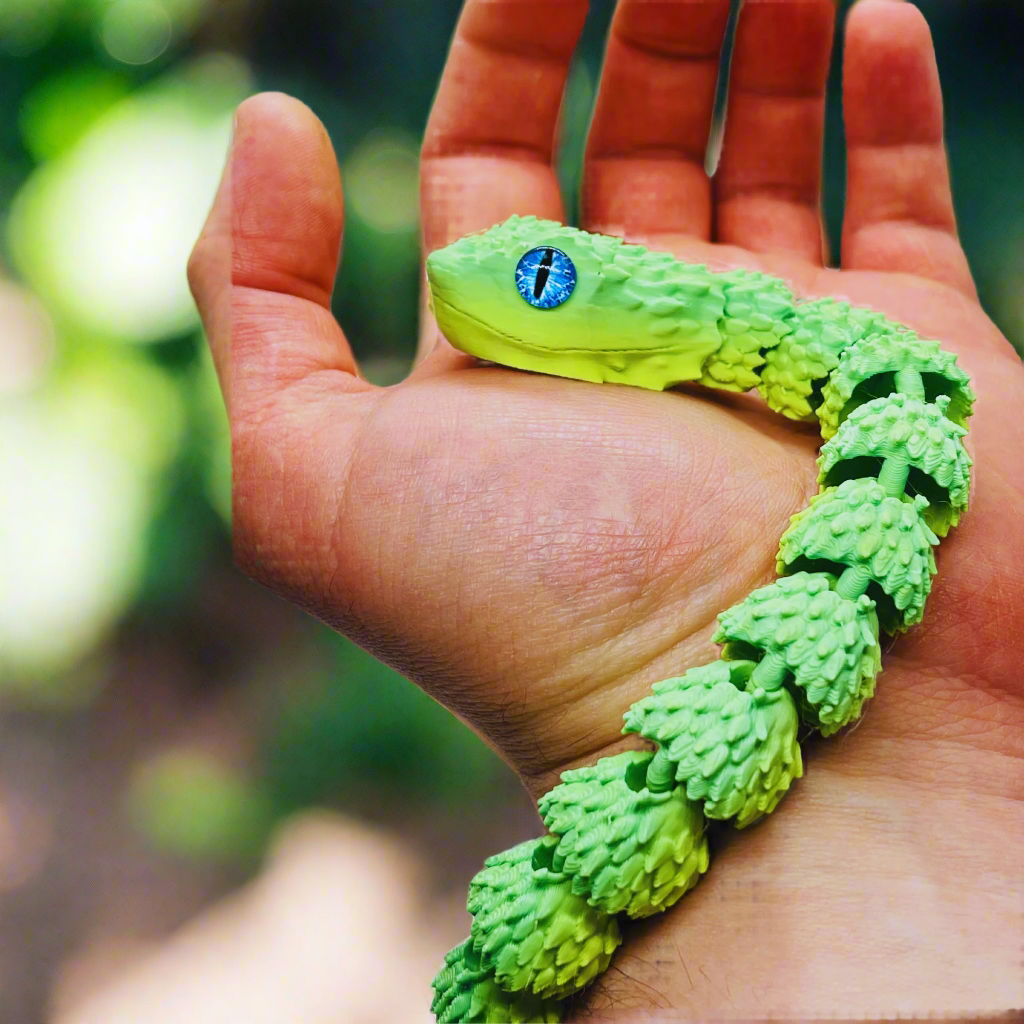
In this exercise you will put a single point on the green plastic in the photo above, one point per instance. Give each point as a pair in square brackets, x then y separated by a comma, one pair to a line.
[868, 368]
[635, 317]
[628, 834]
[856, 524]
[465, 991]
[734, 750]
[918, 434]
[531, 929]
[796, 369]
[756, 307]
[829, 645]
[629, 850]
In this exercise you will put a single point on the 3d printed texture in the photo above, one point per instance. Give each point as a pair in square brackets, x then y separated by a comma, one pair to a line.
[627, 835]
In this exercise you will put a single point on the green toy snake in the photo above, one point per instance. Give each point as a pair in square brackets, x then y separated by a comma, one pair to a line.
[627, 836]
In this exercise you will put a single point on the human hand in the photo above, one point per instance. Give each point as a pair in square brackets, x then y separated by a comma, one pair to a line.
[535, 552]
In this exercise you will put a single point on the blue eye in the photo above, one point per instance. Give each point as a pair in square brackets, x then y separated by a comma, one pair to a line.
[545, 277]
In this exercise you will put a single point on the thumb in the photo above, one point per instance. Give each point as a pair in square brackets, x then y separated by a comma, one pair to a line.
[263, 269]
[262, 274]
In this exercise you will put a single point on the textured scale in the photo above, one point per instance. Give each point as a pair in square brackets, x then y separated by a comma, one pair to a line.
[798, 366]
[628, 834]
[465, 991]
[857, 523]
[755, 310]
[734, 750]
[830, 643]
[635, 316]
[866, 370]
[916, 431]
[531, 929]
[628, 850]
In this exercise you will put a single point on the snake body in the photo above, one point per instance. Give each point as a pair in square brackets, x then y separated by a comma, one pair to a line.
[627, 836]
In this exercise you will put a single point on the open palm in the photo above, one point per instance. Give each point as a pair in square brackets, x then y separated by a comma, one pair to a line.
[535, 552]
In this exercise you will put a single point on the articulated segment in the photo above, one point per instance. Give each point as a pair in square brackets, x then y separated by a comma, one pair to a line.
[822, 645]
[532, 929]
[820, 331]
[628, 848]
[911, 446]
[465, 991]
[857, 528]
[754, 320]
[724, 737]
[627, 835]
[868, 369]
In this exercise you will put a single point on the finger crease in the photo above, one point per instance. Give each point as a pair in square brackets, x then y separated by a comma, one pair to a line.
[663, 153]
[664, 51]
[290, 283]
[778, 191]
[522, 48]
[442, 149]
[817, 93]
[943, 227]
[929, 146]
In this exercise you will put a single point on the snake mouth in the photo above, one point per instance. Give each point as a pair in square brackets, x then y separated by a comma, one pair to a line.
[452, 313]
[463, 330]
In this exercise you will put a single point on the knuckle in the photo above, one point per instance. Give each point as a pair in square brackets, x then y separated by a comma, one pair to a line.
[209, 266]
[198, 268]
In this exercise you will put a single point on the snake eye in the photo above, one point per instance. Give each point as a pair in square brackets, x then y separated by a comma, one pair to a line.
[545, 277]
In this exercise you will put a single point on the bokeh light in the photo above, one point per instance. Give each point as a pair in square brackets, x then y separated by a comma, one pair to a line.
[382, 181]
[104, 231]
[27, 24]
[62, 108]
[80, 466]
[188, 802]
[136, 31]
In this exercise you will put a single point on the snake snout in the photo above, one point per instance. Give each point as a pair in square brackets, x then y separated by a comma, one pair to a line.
[442, 271]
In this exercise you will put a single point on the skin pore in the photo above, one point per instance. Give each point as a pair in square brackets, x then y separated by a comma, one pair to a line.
[535, 552]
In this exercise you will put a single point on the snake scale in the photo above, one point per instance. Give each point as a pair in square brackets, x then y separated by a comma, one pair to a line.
[626, 836]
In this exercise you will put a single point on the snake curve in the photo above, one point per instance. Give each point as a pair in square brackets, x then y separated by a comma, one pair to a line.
[627, 836]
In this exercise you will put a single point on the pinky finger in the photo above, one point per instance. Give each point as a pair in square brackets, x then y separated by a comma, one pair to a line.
[899, 207]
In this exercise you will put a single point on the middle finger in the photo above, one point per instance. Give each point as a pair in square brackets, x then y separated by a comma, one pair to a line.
[644, 171]
[767, 187]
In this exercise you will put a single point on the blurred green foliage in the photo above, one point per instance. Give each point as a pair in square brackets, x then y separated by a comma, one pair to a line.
[61, 109]
[126, 101]
[361, 743]
[190, 804]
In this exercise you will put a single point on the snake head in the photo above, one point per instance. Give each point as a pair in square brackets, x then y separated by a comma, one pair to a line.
[524, 287]
[540, 296]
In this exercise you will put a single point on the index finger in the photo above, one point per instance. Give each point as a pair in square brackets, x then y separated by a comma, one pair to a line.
[487, 152]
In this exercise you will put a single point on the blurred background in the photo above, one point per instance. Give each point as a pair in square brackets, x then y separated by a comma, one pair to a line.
[196, 822]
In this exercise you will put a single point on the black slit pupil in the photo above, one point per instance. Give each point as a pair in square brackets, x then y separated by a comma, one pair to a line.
[543, 272]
